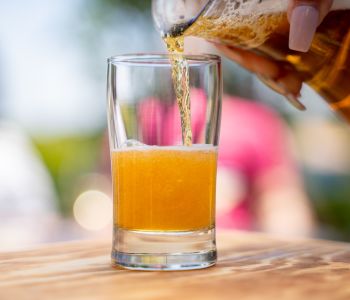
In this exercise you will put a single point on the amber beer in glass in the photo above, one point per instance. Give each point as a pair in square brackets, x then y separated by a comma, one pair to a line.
[163, 190]
[150, 199]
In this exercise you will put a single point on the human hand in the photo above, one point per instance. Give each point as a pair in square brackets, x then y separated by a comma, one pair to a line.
[281, 77]
[304, 17]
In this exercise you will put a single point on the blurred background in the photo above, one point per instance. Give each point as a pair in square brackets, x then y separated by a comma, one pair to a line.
[54, 162]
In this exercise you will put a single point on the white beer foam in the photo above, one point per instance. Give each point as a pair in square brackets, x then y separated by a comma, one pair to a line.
[252, 7]
[253, 16]
[143, 147]
[256, 15]
[258, 7]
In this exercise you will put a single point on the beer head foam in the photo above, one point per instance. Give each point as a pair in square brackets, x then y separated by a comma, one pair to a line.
[253, 7]
[252, 21]
[242, 22]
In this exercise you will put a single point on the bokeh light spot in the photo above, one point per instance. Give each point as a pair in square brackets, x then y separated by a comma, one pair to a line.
[93, 210]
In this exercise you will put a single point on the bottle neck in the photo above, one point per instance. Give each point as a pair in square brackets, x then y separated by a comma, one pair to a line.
[173, 17]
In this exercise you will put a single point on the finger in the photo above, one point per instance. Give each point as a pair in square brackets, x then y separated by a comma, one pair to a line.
[251, 61]
[280, 79]
[290, 82]
[304, 17]
[288, 85]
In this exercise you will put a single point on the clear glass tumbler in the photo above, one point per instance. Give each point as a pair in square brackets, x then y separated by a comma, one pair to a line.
[163, 191]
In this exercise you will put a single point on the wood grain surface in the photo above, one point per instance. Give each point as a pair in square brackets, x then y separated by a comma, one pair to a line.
[250, 266]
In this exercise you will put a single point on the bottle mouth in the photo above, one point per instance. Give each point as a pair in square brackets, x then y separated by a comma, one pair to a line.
[173, 17]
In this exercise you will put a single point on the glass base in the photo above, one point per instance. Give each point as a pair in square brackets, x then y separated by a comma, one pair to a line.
[159, 250]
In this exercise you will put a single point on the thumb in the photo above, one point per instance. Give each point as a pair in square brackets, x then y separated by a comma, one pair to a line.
[304, 16]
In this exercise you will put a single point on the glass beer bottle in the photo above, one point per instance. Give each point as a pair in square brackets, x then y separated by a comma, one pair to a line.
[261, 26]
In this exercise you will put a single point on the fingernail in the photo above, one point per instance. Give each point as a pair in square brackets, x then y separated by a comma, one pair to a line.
[303, 25]
[295, 102]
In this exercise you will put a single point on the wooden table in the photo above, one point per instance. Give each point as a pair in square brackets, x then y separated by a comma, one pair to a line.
[250, 266]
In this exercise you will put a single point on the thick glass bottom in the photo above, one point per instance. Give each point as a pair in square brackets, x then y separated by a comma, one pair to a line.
[163, 250]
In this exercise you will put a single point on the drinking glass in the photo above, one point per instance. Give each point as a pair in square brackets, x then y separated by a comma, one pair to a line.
[163, 191]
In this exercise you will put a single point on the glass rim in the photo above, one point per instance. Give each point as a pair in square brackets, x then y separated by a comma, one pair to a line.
[151, 59]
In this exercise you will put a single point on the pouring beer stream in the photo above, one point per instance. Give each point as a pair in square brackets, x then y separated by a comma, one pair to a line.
[261, 27]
